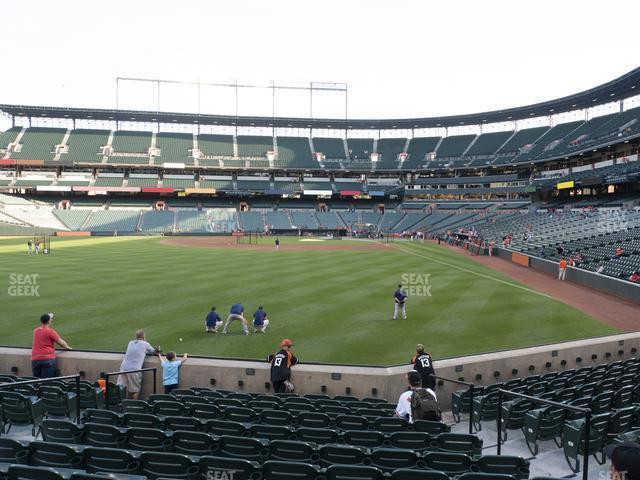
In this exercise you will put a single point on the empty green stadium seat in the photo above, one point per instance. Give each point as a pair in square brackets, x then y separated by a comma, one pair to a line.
[317, 435]
[44, 454]
[341, 454]
[430, 426]
[190, 424]
[90, 395]
[225, 427]
[541, 425]
[141, 420]
[368, 438]
[104, 436]
[450, 463]
[12, 451]
[276, 417]
[458, 443]
[504, 465]
[57, 402]
[26, 472]
[170, 408]
[21, 410]
[275, 470]
[416, 474]
[513, 413]
[253, 449]
[99, 459]
[106, 417]
[193, 443]
[205, 411]
[390, 424]
[389, 459]
[61, 431]
[148, 439]
[272, 432]
[294, 451]
[168, 465]
[485, 408]
[573, 434]
[240, 414]
[352, 422]
[357, 472]
[314, 420]
[461, 402]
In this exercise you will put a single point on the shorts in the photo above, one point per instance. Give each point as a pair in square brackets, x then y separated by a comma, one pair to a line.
[132, 381]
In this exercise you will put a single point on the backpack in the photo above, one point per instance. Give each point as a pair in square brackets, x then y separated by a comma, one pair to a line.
[424, 406]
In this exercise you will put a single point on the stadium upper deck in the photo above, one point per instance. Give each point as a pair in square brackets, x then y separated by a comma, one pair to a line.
[394, 145]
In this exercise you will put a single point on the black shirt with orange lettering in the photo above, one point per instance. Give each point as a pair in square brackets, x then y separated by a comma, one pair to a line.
[281, 363]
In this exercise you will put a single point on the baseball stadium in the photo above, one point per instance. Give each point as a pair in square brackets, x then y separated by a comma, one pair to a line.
[504, 243]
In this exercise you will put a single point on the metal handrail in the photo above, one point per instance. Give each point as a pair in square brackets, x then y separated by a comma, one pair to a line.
[45, 380]
[471, 391]
[111, 374]
[586, 411]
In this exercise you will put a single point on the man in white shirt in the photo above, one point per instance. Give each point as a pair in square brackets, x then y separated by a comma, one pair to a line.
[403, 410]
[137, 350]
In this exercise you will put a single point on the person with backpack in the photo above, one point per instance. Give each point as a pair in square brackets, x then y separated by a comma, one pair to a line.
[423, 364]
[418, 403]
[281, 363]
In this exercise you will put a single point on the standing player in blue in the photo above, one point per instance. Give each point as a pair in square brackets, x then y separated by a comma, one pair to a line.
[260, 322]
[235, 313]
[213, 321]
[399, 299]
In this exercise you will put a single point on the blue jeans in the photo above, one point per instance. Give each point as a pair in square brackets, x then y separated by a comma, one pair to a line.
[43, 368]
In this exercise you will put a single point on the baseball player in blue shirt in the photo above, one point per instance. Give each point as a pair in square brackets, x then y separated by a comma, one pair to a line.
[236, 314]
[399, 299]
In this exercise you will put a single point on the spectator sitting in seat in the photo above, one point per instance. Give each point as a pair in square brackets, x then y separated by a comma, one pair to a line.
[417, 403]
[619, 251]
[634, 277]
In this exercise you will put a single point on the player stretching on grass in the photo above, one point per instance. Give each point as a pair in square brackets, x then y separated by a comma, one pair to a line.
[236, 314]
[399, 299]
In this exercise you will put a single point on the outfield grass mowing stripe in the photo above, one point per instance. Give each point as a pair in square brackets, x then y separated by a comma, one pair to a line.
[463, 269]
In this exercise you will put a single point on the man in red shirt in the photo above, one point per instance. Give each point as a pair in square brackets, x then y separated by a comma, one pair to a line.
[43, 352]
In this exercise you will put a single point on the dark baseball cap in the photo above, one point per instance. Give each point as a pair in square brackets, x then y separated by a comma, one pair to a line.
[625, 457]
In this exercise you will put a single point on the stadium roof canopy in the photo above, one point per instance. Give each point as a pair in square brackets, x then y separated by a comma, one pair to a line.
[628, 85]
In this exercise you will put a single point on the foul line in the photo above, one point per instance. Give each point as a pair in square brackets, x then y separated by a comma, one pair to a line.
[426, 257]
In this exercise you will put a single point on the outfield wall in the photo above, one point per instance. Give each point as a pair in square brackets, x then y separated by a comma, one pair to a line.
[388, 382]
[605, 283]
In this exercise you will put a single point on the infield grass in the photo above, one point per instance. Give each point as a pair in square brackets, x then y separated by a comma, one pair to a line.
[335, 305]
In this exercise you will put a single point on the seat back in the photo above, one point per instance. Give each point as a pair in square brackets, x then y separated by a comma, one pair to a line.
[294, 451]
[168, 465]
[194, 443]
[44, 454]
[243, 447]
[61, 431]
[105, 436]
[99, 459]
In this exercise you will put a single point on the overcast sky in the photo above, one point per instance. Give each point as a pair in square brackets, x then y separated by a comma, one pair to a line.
[399, 58]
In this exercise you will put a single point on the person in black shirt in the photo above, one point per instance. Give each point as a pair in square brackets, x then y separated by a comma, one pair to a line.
[281, 363]
[423, 364]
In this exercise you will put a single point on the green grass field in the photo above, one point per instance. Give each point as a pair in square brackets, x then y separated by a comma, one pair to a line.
[335, 305]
